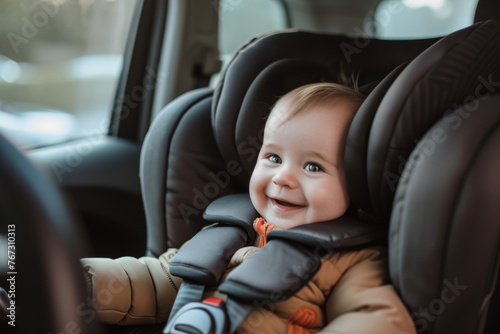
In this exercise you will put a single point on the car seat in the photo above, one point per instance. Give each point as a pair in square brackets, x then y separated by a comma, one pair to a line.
[204, 145]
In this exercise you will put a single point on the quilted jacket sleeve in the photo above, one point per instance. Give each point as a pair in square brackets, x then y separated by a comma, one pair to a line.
[130, 291]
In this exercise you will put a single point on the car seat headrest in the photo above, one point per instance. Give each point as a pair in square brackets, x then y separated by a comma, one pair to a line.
[458, 67]
[274, 81]
[446, 220]
[259, 73]
[268, 67]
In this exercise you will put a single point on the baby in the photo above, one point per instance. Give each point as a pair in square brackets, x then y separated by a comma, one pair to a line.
[298, 179]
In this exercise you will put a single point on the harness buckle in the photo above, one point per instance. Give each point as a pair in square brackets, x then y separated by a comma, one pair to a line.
[207, 317]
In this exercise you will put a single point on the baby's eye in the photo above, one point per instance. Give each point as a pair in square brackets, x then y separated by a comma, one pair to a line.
[274, 158]
[312, 167]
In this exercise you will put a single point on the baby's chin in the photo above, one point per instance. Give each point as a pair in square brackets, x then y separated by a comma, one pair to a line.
[287, 223]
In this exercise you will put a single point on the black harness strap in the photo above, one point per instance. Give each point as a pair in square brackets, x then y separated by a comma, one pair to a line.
[203, 260]
[236, 312]
[344, 232]
[188, 293]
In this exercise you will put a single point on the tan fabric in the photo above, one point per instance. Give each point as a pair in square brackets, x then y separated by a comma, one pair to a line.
[131, 291]
[349, 294]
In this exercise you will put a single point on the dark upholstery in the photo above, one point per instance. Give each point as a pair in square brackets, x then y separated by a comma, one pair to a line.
[441, 78]
[356, 153]
[177, 154]
[445, 226]
[278, 65]
[486, 10]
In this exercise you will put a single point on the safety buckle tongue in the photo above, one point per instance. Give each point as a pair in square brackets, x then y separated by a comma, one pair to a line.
[207, 317]
[214, 301]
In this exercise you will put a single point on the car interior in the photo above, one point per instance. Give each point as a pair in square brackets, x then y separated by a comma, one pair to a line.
[421, 157]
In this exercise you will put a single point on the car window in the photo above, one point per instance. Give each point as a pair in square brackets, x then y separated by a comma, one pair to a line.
[412, 19]
[59, 65]
[240, 20]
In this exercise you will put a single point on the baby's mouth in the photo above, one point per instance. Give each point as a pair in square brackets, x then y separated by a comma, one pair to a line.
[284, 205]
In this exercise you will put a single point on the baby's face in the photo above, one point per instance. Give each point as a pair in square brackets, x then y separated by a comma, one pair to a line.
[299, 177]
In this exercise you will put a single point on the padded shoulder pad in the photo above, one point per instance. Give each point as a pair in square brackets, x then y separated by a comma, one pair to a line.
[205, 257]
[345, 231]
[288, 267]
[236, 209]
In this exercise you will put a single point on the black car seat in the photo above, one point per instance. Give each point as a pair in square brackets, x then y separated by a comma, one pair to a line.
[203, 146]
[445, 219]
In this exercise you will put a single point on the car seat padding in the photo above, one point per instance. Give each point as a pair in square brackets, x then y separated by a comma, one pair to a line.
[356, 150]
[309, 51]
[445, 218]
[441, 78]
[274, 81]
[175, 159]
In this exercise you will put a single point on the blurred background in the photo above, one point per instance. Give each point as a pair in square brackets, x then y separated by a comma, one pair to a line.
[60, 59]
[59, 64]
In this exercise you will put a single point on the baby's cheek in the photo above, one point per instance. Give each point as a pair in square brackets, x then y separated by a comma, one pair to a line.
[253, 185]
[257, 195]
[332, 202]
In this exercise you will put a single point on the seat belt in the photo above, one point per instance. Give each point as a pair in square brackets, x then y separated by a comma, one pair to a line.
[188, 293]
[236, 312]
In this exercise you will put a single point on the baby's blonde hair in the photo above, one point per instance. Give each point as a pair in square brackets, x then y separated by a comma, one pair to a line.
[312, 95]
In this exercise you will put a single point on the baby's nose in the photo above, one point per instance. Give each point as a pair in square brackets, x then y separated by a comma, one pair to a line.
[285, 178]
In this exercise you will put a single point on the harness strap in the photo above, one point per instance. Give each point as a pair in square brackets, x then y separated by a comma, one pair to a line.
[203, 260]
[188, 292]
[344, 232]
[236, 312]
[234, 210]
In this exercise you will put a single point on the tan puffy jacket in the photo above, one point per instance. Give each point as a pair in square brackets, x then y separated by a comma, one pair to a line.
[349, 294]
